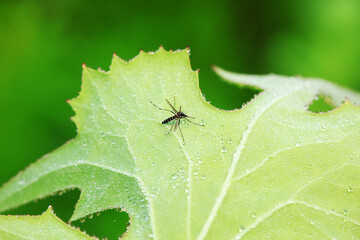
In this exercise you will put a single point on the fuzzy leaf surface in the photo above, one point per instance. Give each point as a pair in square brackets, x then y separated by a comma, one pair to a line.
[272, 169]
[46, 226]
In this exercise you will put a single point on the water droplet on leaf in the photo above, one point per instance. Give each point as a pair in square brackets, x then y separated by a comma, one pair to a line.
[241, 228]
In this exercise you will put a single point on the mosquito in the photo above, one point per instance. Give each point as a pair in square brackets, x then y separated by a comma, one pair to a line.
[178, 115]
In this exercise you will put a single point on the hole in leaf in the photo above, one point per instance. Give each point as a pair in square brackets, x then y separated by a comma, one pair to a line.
[109, 224]
[227, 96]
[321, 104]
[63, 205]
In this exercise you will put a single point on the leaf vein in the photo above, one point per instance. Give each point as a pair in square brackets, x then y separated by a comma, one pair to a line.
[275, 99]
[274, 155]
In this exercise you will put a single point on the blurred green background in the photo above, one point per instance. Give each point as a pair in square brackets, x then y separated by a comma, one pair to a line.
[44, 43]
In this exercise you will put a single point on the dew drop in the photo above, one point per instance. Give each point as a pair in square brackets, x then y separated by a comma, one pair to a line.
[229, 141]
[223, 149]
[102, 134]
[350, 189]
[254, 215]
[221, 138]
[202, 122]
[241, 228]
[346, 212]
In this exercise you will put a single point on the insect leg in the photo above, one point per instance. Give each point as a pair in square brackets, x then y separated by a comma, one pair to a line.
[193, 122]
[171, 127]
[161, 108]
[177, 123]
[181, 133]
[172, 107]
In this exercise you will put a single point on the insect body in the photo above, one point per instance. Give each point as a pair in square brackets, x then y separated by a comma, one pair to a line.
[178, 115]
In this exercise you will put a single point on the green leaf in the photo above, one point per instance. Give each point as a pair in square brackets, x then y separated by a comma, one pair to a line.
[272, 169]
[46, 226]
